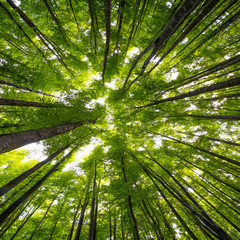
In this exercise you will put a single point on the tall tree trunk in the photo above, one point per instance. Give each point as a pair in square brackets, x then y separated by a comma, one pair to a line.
[74, 220]
[58, 217]
[133, 218]
[91, 227]
[12, 141]
[216, 86]
[13, 183]
[108, 34]
[80, 221]
[177, 20]
[44, 216]
[24, 88]
[13, 102]
[36, 186]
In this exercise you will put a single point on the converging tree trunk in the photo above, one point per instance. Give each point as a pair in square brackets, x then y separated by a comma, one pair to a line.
[12, 141]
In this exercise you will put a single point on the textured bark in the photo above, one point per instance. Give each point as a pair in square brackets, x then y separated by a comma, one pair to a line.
[24, 88]
[13, 102]
[216, 86]
[36, 186]
[12, 141]
[93, 27]
[7, 187]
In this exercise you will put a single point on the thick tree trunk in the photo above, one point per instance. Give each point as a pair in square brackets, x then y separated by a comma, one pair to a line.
[7, 187]
[36, 186]
[12, 141]
[13, 102]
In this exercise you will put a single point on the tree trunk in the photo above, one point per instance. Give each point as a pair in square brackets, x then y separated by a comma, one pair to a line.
[12, 141]
[108, 34]
[210, 88]
[74, 220]
[134, 221]
[12, 102]
[24, 88]
[80, 222]
[92, 217]
[7, 187]
[36, 186]
[44, 216]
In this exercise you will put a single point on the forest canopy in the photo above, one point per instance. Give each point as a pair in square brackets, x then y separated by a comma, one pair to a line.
[132, 110]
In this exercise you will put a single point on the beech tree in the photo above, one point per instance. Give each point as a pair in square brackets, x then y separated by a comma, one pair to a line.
[119, 119]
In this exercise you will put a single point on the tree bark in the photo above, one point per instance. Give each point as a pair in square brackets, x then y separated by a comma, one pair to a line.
[12, 141]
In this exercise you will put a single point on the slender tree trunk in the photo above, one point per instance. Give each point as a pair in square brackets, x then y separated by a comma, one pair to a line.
[80, 221]
[210, 88]
[74, 220]
[170, 205]
[44, 216]
[13, 183]
[92, 217]
[205, 151]
[108, 34]
[134, 221]
[203, 212]
[177, 20]
[24, 88]
[36, 186]
[58, 217]
[12, 141]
